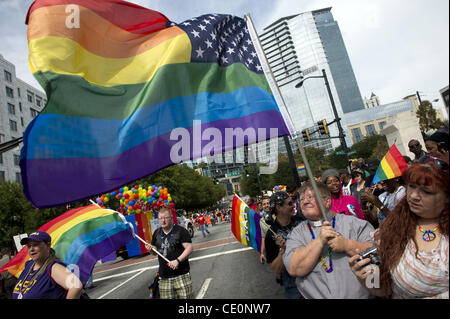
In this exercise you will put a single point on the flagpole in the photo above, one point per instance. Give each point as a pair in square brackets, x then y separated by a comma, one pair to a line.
[283, 109]
[135, 235]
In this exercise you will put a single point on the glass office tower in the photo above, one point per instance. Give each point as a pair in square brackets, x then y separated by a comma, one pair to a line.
[303, 45]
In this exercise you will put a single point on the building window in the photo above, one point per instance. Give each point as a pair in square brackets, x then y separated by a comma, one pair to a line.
[370, 130]
[22, 122]
[30, 97]
[20, 106]
[16, 159]
[2, 176]
[18, 178]
[18, 92]
[357, 135]
[33, 113]
[1, 158]
[2, 138]
[382, 125]
[38, 101]
[11, 109]
[13, 125]
[9, 92]
[8, 76]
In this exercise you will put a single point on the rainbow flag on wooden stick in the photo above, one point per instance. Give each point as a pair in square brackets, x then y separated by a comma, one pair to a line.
[245, 224]
[130, 93]
[392, 165]
[81, 237]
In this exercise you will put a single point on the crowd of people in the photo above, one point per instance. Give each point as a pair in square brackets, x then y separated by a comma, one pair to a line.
[338, 237]
[357, 240]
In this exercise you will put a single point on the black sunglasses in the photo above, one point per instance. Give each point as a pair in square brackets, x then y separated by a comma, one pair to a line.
[436, 161]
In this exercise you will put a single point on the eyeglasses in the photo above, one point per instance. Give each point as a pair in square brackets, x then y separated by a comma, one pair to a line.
[413, 145]
[164, 218]
[436, 161]
[291, 203]
[308, 198]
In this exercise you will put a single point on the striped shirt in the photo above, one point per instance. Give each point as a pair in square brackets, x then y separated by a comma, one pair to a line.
[422, 277]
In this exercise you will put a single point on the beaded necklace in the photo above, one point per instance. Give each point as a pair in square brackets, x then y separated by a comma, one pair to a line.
[428, 235]
[324, 265]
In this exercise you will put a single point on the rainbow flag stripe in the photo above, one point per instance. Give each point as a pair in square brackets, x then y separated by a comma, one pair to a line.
[245, 224]
[301, 167]
[81, 237]
[121, 83]
[392, 165]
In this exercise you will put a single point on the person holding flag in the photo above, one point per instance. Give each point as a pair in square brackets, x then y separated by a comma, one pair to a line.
[174, 243]
[45, 276]
[391, 168]
[282, 205]
[318, 250]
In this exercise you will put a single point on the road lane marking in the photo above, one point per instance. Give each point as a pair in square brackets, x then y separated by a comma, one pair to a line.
[202, 291]
[115, 288]
[156, 266]
[155, 259]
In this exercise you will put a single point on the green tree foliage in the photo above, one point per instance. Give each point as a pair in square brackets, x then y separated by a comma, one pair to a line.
[18, 216]
[427, 117]
[188, 189]
[365, 149]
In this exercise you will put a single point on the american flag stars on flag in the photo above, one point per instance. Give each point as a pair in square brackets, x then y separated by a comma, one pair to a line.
[223, 39]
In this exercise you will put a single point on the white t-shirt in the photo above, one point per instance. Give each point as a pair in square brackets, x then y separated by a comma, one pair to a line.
[390, 200]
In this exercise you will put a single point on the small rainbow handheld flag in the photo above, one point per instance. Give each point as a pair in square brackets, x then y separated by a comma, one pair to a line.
[245, 224]
[80, 237]
[392, 165]
[301, 167]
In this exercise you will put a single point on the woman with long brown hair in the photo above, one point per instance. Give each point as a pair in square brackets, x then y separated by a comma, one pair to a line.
[413, 240]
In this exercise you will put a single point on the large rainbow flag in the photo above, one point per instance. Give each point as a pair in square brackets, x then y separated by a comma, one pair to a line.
[130, 93]
[392, 165]
[245, 224]
[81, 237]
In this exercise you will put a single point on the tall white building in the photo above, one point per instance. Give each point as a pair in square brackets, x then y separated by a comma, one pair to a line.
[19, 104]
[304, 44]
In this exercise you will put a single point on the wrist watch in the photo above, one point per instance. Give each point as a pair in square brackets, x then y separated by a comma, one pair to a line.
[382, 207]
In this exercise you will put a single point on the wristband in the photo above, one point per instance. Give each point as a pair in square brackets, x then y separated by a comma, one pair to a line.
[382, 207]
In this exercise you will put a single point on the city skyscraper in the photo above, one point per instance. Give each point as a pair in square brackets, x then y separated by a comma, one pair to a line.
[303, 45]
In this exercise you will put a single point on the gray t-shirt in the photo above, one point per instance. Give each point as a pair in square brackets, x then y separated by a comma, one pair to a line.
[341, 283]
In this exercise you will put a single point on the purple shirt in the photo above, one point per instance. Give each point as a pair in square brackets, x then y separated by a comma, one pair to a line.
[348, 205]
[42, 287]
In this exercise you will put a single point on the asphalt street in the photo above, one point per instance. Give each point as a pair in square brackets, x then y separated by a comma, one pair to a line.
[221, 268]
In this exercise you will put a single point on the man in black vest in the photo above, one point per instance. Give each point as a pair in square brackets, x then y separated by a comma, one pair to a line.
[174, 242]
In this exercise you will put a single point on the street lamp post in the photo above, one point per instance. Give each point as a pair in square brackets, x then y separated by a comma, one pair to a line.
[333, 106]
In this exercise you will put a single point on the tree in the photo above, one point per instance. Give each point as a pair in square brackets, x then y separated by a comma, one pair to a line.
[427, 117]
[188, 189]
[18, 216]
[365, 148]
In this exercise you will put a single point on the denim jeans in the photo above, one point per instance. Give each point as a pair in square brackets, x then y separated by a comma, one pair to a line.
[289, 285]
[203, 229]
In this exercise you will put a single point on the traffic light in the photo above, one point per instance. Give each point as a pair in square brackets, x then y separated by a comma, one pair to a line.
[216, 181]
[305, 134]
[323, 127]
[247, 174]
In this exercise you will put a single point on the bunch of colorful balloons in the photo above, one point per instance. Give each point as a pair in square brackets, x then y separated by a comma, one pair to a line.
[278, 188]
[138, 199]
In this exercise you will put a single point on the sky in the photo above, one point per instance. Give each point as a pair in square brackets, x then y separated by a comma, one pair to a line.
[396, 47]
